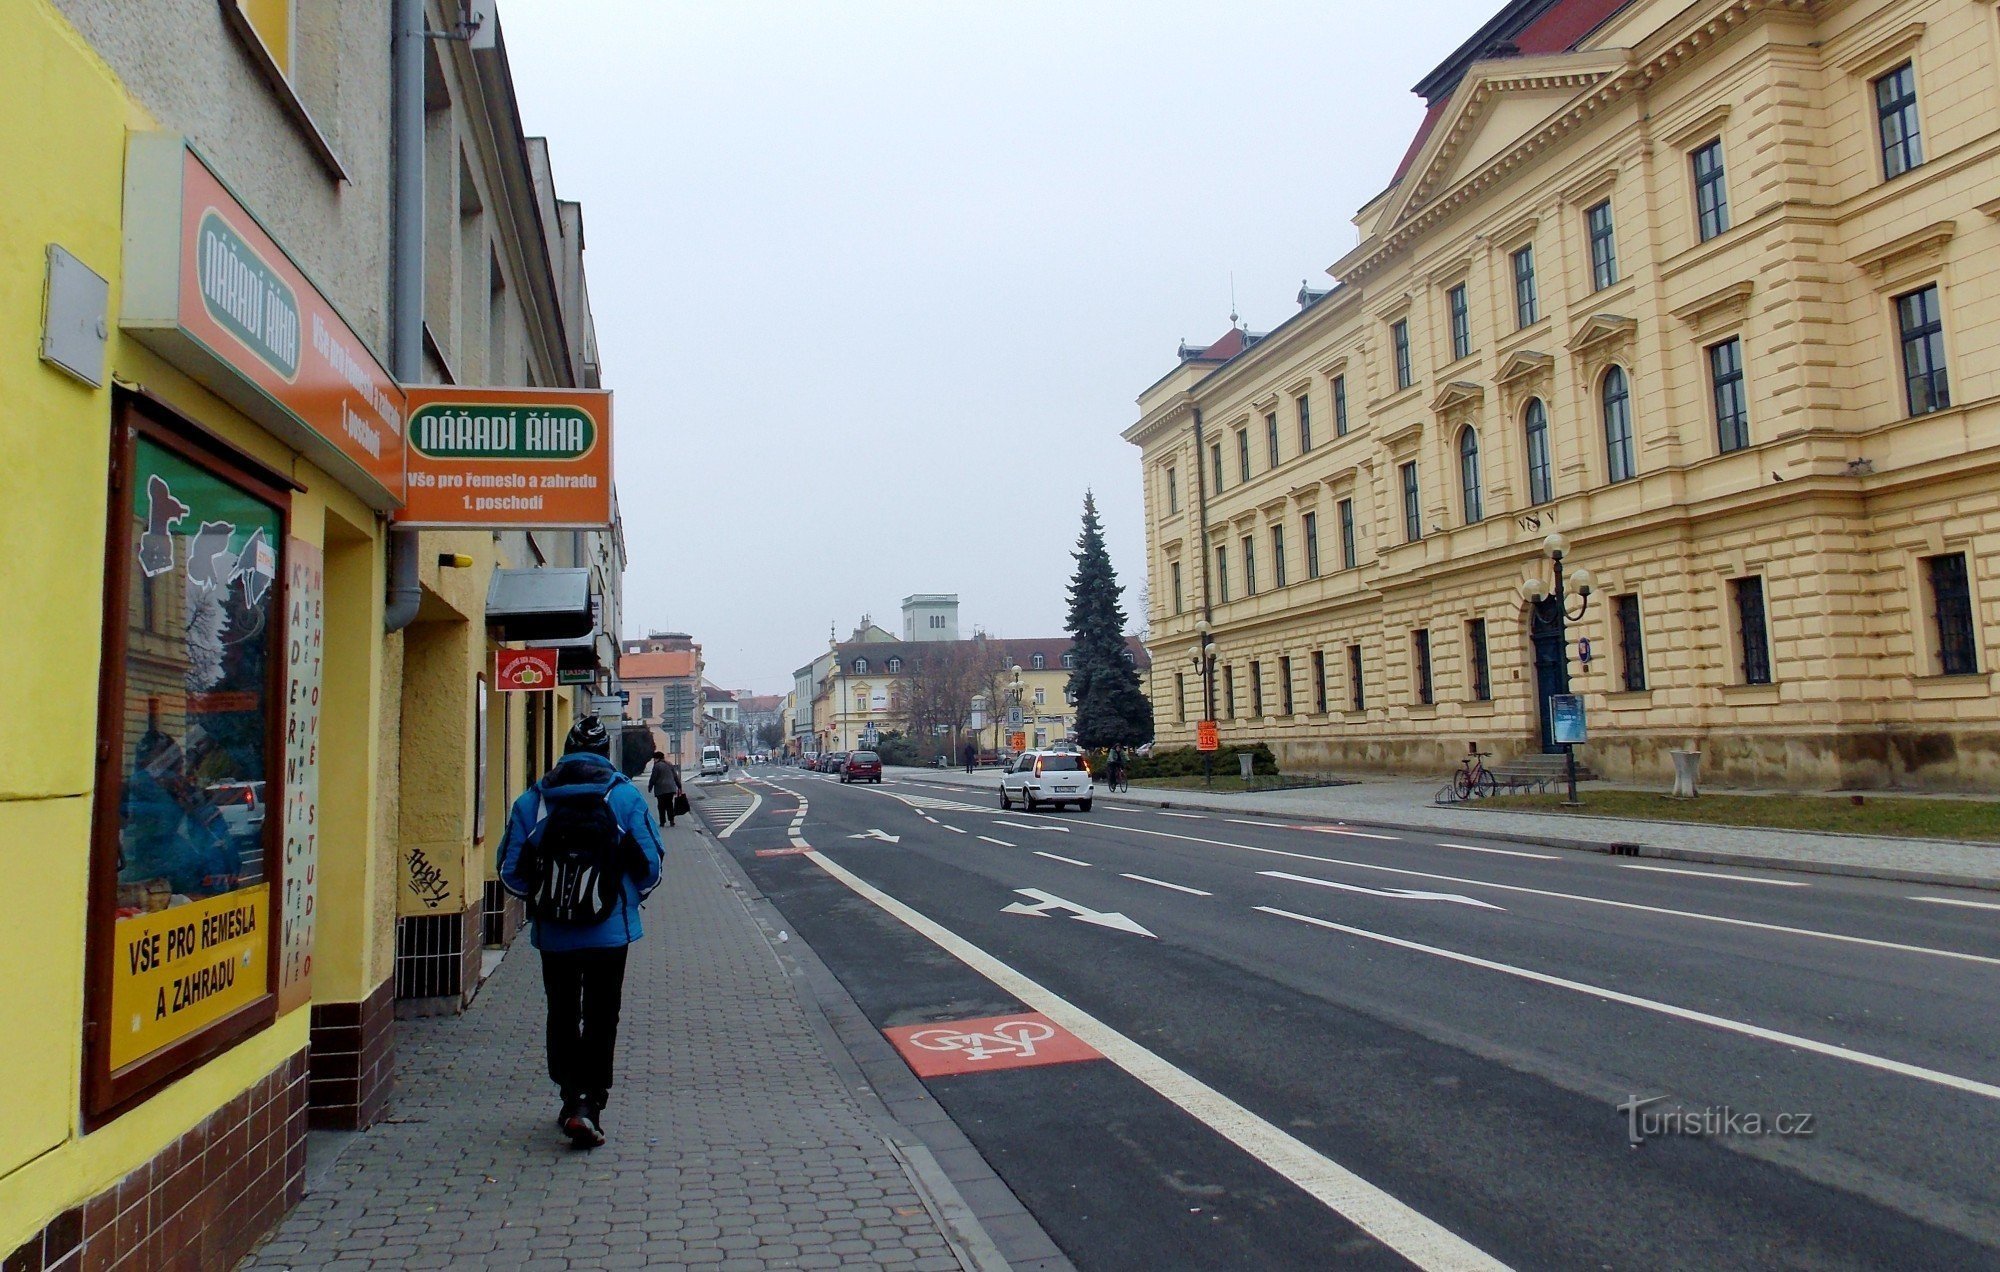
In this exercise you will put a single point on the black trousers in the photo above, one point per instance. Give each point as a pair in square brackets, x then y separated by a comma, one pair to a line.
[585, 988]
[666, 799]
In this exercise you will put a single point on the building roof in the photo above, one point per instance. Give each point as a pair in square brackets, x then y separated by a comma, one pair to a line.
[661, 666]
[761, 702]
[715, 694]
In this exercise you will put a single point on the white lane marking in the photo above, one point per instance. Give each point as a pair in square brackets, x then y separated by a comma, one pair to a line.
[953, 829]
[1244, 821]
[1394, 894]
[1748, 1030]
[884, 836]
[1870, 941]
[1113, 808]
[1342, 830]
[1505, 852]
[755, 801]
[1421, 1240]
[991, 840]
[1714, 874]
[1162, 883]
[1045, 902]
[1025, 826]
[1161, 812]
[1053, 857]
[1977, 905]
[927, 817]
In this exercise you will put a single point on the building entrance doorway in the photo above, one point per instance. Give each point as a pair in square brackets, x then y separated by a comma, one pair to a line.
[1551, 665]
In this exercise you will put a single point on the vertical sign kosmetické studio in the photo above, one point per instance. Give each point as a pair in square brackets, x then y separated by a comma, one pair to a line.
[306, 595]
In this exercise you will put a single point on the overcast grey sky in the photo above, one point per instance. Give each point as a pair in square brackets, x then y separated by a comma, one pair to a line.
[877, 283]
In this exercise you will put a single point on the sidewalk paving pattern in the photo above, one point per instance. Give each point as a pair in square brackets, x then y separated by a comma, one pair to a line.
[734, 1144]
[1407, 803]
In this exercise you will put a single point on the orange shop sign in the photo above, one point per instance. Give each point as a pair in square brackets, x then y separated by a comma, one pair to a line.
[209, 290]
[509, 458]
[1207, 737]
[524, 670]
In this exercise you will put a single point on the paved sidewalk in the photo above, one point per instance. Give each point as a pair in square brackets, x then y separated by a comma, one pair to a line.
[734, 1143]
[1407, 803]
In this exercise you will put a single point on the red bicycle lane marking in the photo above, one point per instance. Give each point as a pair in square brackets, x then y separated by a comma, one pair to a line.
[1020, 1040]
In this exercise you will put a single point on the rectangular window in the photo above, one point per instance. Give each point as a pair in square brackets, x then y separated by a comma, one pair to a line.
[1461, 322]
[1711, 191]
[1399, 340]
[1603, 247]
[1173, 491]
[1271, 437]
[1951, 614]
[1631, 643]
[1420, 665]
[1732, 405]
[1357, 697]
[1278, 555]
[1896, 121]
[645, 708]
[1221, 572]
[1527, 303]
[1256, 688]
[1215, 458]
[1922, 323]
[1243, 454]
[1285, 686]
[1249, 565]
[1349, 557]
[1476, 661]
[1229, 692]
[1180, 696]
[1753, 636]
[194, 709]
[1175, 570]
[1413, 512]
[1319, 681]
[1305, 424]
[1340, 406]
[1312, 545]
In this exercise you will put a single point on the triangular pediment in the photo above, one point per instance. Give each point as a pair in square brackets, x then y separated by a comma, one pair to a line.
[1456, 394]
[1523, 363]
[1501, 103]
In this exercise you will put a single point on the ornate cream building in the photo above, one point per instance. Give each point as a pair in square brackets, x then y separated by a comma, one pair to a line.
[1712, 289]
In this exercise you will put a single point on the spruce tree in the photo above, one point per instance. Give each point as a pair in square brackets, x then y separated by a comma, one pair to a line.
[1110, 708]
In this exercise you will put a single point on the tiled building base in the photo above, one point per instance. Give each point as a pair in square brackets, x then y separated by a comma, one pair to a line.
[353, 1060]
[199, 1205]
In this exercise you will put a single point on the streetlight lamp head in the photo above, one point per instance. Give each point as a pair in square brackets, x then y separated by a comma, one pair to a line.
[1201, 625]
[1557, 544]
[1581, 580]
[1533, 589]
[1016, 669]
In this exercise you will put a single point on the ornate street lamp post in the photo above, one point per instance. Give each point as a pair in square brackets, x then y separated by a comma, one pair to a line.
[1204, 661]
[1553, 622]
[1014, 691]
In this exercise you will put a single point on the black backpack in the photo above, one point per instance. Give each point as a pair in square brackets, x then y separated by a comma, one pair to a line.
[575, 856]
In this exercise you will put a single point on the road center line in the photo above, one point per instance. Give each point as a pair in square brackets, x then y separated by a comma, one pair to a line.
[1977, 905]
[1024, 826]
[755, 801]
[953, 829]
[1714, 874]
[1940, 1078]
[1161, 812]
[1053, 857]
[991, 840]
[1418, 1238]
[1573, 896]
[1505, 852]
[1162, 883]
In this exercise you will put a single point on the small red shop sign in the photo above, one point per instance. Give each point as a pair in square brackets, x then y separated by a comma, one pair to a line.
[524, 670]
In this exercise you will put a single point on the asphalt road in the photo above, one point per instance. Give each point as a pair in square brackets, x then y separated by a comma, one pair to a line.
[1336, 1046]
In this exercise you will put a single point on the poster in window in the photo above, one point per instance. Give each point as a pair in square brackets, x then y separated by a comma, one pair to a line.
[191, 927]
[305, 641]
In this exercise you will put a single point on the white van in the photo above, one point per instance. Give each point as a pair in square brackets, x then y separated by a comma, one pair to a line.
[712, 763]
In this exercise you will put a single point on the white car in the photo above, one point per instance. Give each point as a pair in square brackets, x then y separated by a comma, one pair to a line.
[1047, 777]
[712, 763]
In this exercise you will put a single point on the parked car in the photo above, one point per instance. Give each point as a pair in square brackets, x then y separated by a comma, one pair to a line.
[833, 761]
[242, 807]
[1047, 777]
[862, 766]
[712, 763]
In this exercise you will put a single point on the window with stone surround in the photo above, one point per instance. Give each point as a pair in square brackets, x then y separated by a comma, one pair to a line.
[1174, 568]
[1256, 688]
[1180, 697]
[1285, 699]
[1460, 309]
[1631, 642]
[1319, 681]
[1357, 695]
[1621, 461]
[1711, 190]
[1753, 633]
[1413, 510]
[1340, 406]
[1228, 691]
[1541, 474]
[1215, 458]
[1278, 571]
[1271, 437]
[1527, 303]
[1221, 572]
[1349, 555]
[1305, 423]
[1249, 565]
[1732, 400]
[1896, 121]
[1399, 342]
[1470, 487]
[1920, 320]
[1243, 454]
[1311, 527]
[1955, 634]
[1477, 663]
[1173, 491]
[1420, 666]
[1603, 246]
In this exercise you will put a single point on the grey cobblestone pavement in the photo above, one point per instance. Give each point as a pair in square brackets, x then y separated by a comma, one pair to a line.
[734, 1144]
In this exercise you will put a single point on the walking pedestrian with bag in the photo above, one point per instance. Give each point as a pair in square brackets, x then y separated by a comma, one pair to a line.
[665, 783]
[582, 849]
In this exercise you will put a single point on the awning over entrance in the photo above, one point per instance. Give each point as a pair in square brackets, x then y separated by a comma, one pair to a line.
[540, 604]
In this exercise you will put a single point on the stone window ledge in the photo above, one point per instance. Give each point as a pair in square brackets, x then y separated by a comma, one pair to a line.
[1976, 685]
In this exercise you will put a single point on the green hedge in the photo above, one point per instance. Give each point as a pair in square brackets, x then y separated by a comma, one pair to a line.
[1185, 761]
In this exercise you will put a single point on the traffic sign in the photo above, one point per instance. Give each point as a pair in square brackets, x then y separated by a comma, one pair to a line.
[1207, 737]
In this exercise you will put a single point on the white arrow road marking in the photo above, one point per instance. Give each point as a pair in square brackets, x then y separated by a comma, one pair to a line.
[1053, 857]
[1977, 905]
[876, 834]
[1395, 894]
[1047, 901]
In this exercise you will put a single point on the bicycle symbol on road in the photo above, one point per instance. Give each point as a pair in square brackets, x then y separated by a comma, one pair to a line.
[1012, 1039]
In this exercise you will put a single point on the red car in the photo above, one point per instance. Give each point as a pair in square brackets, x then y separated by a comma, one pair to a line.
[862, 766]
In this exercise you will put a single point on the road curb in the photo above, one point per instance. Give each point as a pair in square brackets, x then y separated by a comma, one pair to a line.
[1929, 878]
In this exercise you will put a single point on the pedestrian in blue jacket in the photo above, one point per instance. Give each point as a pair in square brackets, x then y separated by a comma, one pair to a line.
[583, 962]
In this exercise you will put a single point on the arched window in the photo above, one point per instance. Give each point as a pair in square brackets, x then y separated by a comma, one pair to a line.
[1541, 478]
[1621, 462]
[1468, 474]
[895, 665]
[1128, 656]
[1038, 662]
[861, 666]
[1069, 660]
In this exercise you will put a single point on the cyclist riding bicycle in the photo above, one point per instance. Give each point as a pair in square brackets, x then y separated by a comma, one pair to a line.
[1114, 769]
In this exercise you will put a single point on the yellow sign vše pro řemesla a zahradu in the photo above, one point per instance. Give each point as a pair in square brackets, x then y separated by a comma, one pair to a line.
[508, 458]
[178, 969]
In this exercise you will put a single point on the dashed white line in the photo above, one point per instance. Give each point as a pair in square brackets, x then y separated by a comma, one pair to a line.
[927, 817]
[953, 829]
[1053, 857]
[1716, 874]
[1976, 905]
[1745, 1028]
[1505, 852]
[1161, 812]
[991, 840]
[1343, 830]
[1162, 883]
[1025, 826]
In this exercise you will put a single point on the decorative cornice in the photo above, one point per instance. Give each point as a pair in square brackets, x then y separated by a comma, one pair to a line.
[1523, 364]
[1402, 437]
[1458, 393]
[1700, 128]
[1878, 54]
[1929, 240]
[1601, 329]
[1717, 307]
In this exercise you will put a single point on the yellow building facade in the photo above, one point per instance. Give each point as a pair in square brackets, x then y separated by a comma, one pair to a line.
[1711, 290]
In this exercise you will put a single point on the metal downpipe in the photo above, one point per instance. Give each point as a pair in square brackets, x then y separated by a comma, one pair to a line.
[406, 265]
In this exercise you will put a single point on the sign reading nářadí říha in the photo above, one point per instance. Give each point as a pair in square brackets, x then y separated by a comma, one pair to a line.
[516, 458]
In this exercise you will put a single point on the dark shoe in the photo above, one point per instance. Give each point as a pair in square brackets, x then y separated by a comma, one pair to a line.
[583, 1128]
[571, 1106]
